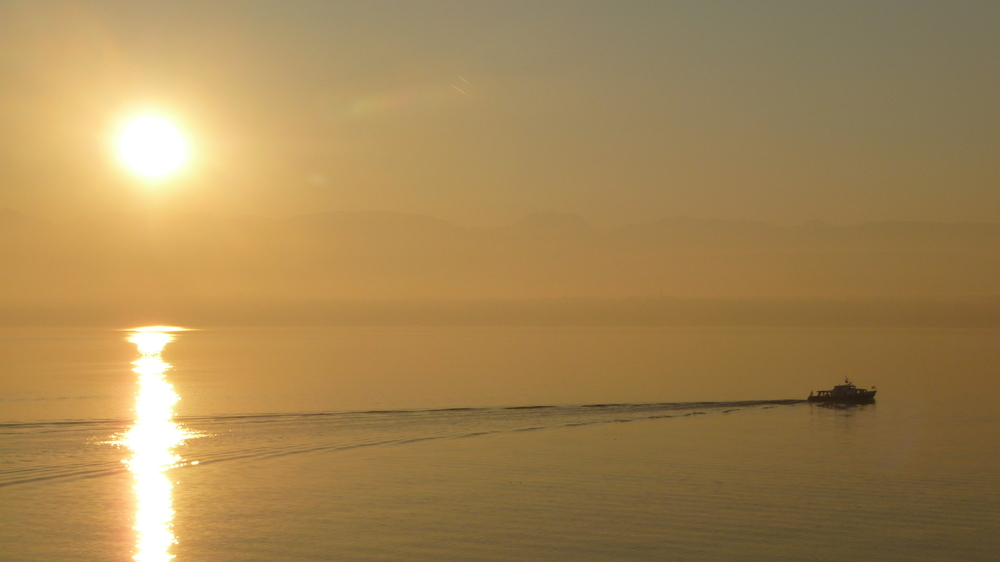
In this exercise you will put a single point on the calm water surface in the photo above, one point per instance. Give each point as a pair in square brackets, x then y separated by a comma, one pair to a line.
[416, 444]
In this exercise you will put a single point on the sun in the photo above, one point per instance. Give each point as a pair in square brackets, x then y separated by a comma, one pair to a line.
[152, 146]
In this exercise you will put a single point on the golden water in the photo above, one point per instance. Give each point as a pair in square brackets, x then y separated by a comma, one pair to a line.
[400, 444]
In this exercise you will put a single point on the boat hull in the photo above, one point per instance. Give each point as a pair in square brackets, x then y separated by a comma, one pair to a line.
[865, 398]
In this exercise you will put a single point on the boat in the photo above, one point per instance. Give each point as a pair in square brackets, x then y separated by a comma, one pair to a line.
[845, 393]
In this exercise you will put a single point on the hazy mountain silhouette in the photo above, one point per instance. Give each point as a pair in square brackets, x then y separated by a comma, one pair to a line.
[134, 261]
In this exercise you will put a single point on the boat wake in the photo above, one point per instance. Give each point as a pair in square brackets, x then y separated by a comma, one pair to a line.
[50, 451]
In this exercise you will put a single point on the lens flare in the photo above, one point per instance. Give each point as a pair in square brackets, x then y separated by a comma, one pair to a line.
[152, 440]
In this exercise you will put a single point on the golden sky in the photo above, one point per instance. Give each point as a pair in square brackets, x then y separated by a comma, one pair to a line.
[482, 112]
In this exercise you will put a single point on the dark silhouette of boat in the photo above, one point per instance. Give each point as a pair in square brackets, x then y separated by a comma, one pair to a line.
[845, 393]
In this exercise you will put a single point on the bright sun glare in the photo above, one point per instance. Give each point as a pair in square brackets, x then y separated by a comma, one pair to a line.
[152, 439]
[152, 146]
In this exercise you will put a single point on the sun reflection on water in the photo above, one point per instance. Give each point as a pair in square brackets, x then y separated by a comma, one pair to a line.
[152, 439]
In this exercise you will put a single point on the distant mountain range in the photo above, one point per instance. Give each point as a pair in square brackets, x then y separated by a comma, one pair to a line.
[134, 261]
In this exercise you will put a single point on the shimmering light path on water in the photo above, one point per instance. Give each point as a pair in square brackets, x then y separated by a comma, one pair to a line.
[152, 439]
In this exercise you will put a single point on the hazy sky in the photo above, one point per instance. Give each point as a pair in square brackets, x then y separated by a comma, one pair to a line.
[481, 112]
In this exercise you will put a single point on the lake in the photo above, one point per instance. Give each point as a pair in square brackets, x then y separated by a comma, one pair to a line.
[498, 444]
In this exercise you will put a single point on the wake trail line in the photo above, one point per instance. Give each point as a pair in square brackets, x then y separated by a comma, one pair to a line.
[236, 437]
[76, 425]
